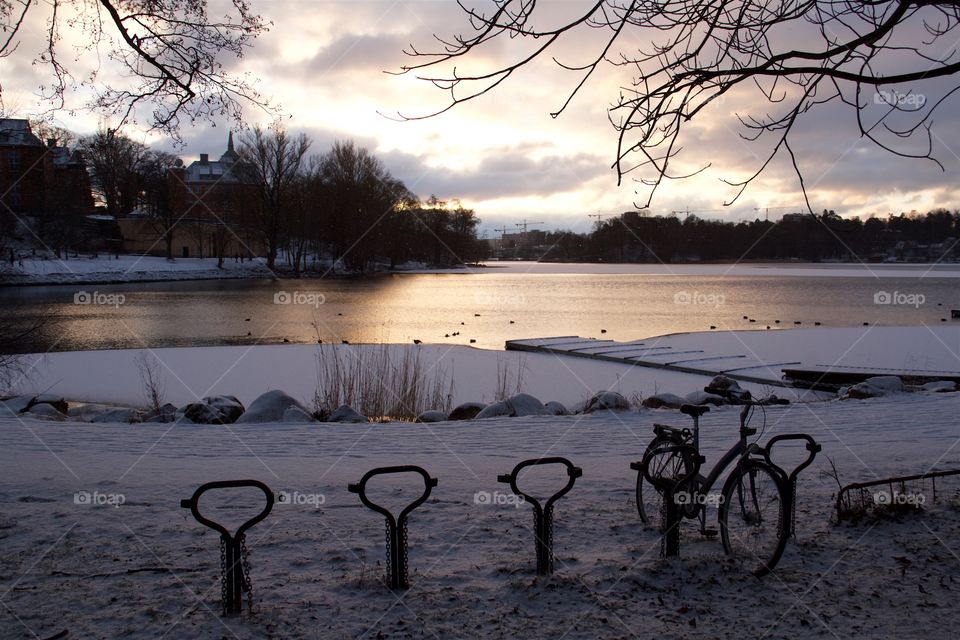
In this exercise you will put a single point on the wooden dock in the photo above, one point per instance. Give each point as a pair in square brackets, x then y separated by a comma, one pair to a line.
[654, 354]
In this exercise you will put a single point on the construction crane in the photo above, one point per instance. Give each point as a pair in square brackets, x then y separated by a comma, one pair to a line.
[598, 216]
[502, 230]
[766, 210]
[688, 211]
[525, 223]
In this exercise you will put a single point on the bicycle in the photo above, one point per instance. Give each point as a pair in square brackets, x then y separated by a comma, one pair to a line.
[757, 504]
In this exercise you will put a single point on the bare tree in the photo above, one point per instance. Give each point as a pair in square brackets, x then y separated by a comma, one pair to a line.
[872, 56]
[168, 54]
[272, 159]
[155, 196]
[115, 163]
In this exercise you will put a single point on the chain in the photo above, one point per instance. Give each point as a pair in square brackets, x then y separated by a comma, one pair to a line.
[223, 574]
[548, 522]
[793, 509]
[389, 554]
[245, 569]
[403, 552]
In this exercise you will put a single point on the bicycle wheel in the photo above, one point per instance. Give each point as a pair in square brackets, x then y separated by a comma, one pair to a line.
[752, 517]
[673, 464]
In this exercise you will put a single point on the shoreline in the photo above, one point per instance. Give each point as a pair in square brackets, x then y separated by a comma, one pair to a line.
[128, 270]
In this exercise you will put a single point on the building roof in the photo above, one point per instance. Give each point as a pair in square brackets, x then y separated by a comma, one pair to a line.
[15, 132]
[222, 170]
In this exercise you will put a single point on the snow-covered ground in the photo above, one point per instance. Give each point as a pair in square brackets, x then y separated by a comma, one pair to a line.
[146, 569]
[127, 268]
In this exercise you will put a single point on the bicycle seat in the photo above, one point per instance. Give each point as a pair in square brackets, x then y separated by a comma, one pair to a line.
[694, 410]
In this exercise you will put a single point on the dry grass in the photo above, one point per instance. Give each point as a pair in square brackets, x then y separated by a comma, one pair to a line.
[383, 382]
[509, 384]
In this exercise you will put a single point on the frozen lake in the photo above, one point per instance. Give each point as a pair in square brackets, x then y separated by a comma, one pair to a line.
[491, 305]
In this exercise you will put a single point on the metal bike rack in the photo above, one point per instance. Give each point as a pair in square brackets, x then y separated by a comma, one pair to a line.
[234, 565]
[848, 506]
[397, 573]
[670, 545]
[543, 514]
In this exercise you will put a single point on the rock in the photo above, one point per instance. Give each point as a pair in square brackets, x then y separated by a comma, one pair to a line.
[230, 407]
[87, 412]
[609, 400]
[166, 413]
[299, 416]
[57, 402]
[663, 400]
[495, 410]
[525, 405]
[214, 410]
[16, 404]
[466, 411]
[346, 413]
[702, 397]
[727, 388]
[123, 416]
[432, 416]
[554, 408]
[875, 387]
[46, 412]
[269, 407]
[201, 413]
[522, 404]
[940, 386]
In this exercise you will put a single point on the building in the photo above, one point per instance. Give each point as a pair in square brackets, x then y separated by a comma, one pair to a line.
[43, 186]
[211, 211]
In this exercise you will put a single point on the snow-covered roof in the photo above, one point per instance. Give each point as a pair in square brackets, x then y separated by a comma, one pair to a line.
[16, 132]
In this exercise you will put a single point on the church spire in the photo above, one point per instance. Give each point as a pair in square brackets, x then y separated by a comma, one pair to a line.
[230, 143]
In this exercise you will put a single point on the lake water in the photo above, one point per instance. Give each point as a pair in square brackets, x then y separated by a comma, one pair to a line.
[490, 306]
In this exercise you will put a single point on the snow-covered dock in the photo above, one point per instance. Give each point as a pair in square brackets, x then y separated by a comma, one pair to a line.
[927, 353]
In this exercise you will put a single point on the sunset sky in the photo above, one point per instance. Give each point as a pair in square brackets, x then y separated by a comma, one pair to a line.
[503, 155]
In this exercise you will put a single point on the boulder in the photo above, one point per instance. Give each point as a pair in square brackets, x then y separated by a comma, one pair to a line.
[940, 386]
[16, 404]
[466, 411]
[702, 397]
[45, 411]
[522, 404]
[609, 400]
[664, 401]
[57, 402]
[346, 413]
[727, 388]
[495, 410]
[166, 413]
[298, 415]
[122, 416]
[525, 405]
[87, 412]
[269, 407]
[554, 408]
[214, 410]
[875, 387]
[432, 416]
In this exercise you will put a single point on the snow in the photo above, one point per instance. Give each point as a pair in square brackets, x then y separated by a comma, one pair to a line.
[94, 540]
[127, 268]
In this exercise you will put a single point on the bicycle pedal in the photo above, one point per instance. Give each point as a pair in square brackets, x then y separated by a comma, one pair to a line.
[710, 533]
